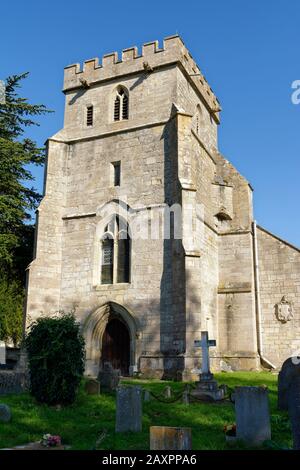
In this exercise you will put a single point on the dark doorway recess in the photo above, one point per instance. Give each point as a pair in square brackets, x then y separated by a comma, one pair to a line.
[116, 346]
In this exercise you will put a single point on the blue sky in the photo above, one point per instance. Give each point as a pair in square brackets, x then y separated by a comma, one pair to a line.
[248, 51]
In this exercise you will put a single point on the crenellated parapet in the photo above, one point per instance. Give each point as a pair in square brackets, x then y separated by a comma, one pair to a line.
[151, 58]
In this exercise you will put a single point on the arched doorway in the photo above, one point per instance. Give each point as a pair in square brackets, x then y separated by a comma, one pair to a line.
[94, 328]
[116, 346]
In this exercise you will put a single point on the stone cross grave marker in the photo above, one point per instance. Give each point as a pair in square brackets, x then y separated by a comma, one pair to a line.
[129, 409]
[207, 388]
[205, 344]
[2, 353]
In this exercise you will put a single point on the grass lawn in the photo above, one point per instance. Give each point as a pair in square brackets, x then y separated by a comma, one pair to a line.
[81, 424]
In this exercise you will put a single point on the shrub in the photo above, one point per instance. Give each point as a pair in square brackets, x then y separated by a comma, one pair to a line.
[55, 350]
[11, 311]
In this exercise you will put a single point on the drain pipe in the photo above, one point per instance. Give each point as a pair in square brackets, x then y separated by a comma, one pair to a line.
[263, 359]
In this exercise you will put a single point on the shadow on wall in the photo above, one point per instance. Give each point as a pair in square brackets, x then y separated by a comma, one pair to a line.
[173, 312]
[77, 95]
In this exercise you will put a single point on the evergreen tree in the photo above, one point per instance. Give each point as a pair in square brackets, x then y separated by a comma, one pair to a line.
[17, 199]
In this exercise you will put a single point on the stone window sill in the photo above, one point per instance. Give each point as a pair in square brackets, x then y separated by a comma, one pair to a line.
[112, 287]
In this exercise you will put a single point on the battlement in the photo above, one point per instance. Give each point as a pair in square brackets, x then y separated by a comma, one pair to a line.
[151, 58]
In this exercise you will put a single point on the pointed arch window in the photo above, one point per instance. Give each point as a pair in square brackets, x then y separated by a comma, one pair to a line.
[115, 256]
[121, 105]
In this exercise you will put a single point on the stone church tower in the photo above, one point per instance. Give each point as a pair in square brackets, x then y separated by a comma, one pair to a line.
[136, 161]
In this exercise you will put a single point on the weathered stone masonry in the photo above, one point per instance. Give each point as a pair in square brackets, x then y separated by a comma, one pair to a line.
[168, 152]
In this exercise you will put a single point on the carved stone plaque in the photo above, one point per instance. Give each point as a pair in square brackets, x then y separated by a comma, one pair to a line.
[284, 310]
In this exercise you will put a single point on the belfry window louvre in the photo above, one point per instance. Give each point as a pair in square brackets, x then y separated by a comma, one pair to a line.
[117, 109]
[89, 115]
[121, 105]
[125, 107]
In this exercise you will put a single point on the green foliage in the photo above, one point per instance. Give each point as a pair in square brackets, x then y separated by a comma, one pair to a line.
[281, 422]
[11, 311]
[17, 199]
[56, 359]
[271, 445]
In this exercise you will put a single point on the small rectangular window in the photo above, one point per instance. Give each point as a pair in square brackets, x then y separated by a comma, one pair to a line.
[117, 173]
[89, 115]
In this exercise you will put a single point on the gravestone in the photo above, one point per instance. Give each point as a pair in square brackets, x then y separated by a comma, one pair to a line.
[289, 395]
[13, 381]
[109, 378]
[168, 392]
[207, 388]
[147, 396]
[5, 413]
[16, 379]
[185, 397]
[170, 438]
[92, 387]
[2, 353]
[129, 409]
[22, 364]
[252, 415]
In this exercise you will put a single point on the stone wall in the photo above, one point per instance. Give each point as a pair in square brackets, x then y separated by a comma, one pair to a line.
[204, 126]
[203, 273]
[141, 153]
[279, 275]
[236, 301]
[44, 287]
[149, 102]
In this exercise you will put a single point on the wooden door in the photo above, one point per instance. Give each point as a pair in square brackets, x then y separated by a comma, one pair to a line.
[116, 346]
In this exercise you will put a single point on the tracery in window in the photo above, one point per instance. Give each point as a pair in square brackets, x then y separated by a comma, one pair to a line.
[121, 105]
